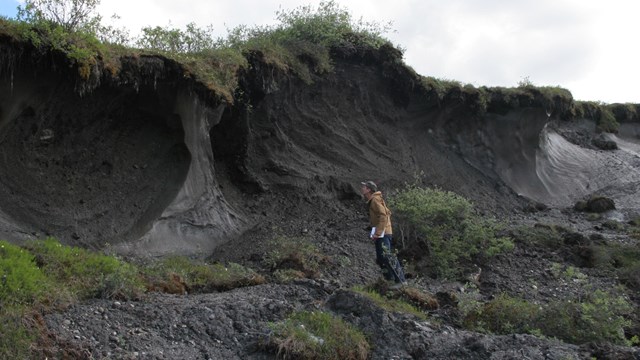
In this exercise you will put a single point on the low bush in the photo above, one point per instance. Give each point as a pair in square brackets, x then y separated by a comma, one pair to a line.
[548, 236]
[600, 112]
[598, 316]
[444, 227]
[504, 315]
[623, 260]
[318, 335]
[607, 121]
[634, 228]
[22, 282]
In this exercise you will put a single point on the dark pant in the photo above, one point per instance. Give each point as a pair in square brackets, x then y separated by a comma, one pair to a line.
[388, 262]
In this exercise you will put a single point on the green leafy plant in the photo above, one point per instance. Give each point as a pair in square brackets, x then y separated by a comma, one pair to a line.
[330, 25]
[71, 15]
[317, 335]
[607, 121]
[302, 40]
[86, 274]
[22, 282]
[600, 112]
[444, 225]
[560, 271]
[46, 275]
[504, 315]
[597, 316]
[192, 39]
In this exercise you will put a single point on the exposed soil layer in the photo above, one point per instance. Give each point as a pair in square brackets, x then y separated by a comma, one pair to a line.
[146, 164]
[92, 169]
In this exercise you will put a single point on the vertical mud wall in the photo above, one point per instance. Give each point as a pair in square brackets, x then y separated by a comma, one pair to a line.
[199, 218]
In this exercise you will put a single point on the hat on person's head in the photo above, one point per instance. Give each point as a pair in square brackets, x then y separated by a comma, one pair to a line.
[370, 185]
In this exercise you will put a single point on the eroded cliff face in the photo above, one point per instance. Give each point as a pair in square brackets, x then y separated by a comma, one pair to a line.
[127, 164]
[148, 164]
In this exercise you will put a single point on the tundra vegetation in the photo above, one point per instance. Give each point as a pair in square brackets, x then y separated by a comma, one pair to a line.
[443, 227]
[317, 335]
[301, 43]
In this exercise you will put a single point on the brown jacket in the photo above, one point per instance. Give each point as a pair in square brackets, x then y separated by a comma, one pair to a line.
[379, 214]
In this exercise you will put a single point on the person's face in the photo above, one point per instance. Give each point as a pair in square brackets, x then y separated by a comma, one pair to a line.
[365, 190]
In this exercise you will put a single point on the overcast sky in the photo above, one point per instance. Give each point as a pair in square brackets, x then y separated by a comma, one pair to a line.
[589, 47]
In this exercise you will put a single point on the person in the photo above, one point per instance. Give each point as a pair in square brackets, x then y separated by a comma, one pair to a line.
[382, 233]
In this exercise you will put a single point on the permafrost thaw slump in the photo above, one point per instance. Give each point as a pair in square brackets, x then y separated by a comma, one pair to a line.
[138, 164]
[560, 172]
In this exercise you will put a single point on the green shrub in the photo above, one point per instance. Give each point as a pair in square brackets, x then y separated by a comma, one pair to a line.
[598, 316]
[634, 228]
[318, 335]
[446, 226]
[197, 276]
[504, 315]
[295, 254]
[613, 225]
[607, 121]
[540, 235]
[288, 275]
[302, 40]
[330, 25]
[192, 39]
[601, 113]
[567, 272]
[439, 86]
[21, 281]
[82, 48]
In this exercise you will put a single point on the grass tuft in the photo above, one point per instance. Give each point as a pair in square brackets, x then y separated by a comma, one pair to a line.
[396, 301]
[317, 335]
[295, 256]
[180, 274]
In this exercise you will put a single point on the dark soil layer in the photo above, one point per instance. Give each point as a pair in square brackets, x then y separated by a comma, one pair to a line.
[92, 169]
